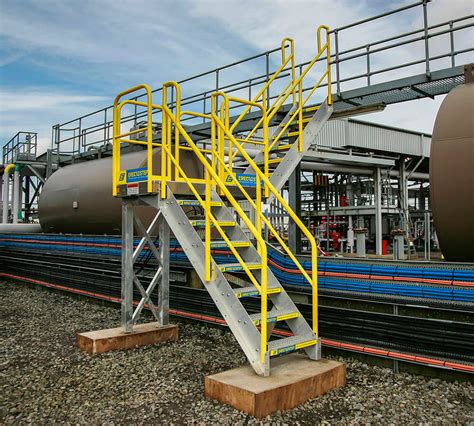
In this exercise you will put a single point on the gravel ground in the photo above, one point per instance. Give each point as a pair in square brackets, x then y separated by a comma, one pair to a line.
[45, 379]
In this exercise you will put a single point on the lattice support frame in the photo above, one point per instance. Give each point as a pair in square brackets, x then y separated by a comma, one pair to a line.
[130, 314]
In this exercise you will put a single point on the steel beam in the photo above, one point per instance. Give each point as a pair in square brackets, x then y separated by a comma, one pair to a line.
[163, 292]
[16, 208]
[127, 267]
[378, 211]
[294, 188]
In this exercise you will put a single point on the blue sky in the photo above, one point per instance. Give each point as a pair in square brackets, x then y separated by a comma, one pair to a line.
[60, 59]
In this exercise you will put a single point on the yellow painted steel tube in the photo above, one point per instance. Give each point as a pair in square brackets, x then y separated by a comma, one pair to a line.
[262, 90]
[255, 128]
[283, 130]
[326, 46]
[264, 119]
[117, 108]
[207, 211]
[137, 142]
[177, 89]
[294, 85]
[164, 153]
[292, 56]
[132, 132]
[300, 117]
[315, 87]
[293, 216]
[9, 168]
[195, 114]
[251, 142]
[212, 218]
[149, 129]
[116, 142]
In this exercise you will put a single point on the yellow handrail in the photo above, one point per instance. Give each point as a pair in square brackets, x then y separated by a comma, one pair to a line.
[296, 84]
[262, 248]
[313, 280]
[118, 137]
[218, 167]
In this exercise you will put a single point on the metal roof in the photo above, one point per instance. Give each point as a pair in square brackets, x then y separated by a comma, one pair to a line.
[372, 137]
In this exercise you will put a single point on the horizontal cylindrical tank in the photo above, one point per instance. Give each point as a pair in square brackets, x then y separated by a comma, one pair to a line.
[78, 198]
[452, 173]
[18, 228]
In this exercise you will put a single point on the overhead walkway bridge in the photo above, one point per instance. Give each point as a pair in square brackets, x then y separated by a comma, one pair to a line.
[414, 62]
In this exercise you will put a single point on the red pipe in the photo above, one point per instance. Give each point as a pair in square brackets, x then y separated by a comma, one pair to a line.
[326, 342]
[276, 265]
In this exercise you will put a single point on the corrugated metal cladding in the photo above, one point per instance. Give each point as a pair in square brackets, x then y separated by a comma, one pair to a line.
[352, 133]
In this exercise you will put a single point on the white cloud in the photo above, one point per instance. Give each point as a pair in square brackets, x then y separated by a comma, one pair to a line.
[418, 115]
[266, 20]
[108, 45]
[36, 109]
[42, 99]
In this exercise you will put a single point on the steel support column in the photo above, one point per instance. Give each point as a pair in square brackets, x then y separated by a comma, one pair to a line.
[127, 267]
[403, 194]
[16, 195]
[2, 203]
[294, 189]
[378, 211]
[6, 196]
[163, 292]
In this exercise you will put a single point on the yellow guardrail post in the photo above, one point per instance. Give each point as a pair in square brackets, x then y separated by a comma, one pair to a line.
[115, 150]
[117, 136]
[177, 90]
[311, 279]
[326, 46]
[300, 117]
[291, 57]
[207, 212]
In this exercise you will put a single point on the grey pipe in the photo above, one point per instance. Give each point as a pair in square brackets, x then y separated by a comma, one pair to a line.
[6, 195]
[337, 168]
[16, 194]
[6, 228]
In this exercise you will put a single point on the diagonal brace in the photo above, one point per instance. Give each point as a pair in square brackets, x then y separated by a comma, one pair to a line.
[146, 296]
[146, 237]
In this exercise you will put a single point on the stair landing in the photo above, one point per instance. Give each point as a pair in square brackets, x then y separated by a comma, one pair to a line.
[295, 379]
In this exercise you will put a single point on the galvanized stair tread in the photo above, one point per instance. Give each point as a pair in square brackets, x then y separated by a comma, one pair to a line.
[223, 244]
[275, 315]
[202, 222]
[290, 344]
[281, 147]
[237, 267]
[183, 202]
[250, 291]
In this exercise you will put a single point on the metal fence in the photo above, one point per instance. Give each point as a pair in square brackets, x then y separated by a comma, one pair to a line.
[428, 46]
[23, 146]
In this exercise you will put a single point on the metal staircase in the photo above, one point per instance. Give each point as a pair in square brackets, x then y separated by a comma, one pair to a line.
[229, 175]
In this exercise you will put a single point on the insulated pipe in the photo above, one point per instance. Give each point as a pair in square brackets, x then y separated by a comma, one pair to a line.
[2, 168]
[335, 168]
[6, 191]
[16, 193]
[6, 228]
[342, 168]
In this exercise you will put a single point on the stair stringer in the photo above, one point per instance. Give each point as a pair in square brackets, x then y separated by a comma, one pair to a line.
[281, 301]
[293, 157]
[229, 305]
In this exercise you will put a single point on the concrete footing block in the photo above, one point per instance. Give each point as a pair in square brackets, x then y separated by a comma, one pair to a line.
[114, 339]
[294, 379]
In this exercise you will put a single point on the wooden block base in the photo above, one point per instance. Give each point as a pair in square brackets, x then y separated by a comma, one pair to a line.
[113, 339]
[294, 379]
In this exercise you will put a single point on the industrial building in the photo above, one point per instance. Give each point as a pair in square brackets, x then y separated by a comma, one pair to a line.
[270, 204]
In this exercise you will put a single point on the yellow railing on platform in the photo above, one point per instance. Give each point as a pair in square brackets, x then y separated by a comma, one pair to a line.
[218, 161]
